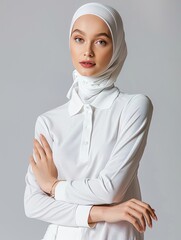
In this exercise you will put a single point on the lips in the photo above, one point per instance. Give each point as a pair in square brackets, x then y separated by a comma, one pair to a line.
[87, 64]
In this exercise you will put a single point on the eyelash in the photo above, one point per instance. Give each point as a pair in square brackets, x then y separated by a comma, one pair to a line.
[81, 39]
[76, 38]
[104, 42]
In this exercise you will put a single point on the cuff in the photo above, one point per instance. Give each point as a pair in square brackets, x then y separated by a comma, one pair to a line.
[82, 215]
[60, 191]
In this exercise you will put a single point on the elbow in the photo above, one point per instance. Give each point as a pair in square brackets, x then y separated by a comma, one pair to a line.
[28, 213]
[28, 209]
[30, 206]
[32, 203]
[31, 211]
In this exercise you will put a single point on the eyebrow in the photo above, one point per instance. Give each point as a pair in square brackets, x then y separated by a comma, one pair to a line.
[97, 35]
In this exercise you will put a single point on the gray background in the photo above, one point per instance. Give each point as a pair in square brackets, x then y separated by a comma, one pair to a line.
[35, 76]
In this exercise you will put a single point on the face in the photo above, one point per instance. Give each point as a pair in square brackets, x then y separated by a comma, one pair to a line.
[90, 45]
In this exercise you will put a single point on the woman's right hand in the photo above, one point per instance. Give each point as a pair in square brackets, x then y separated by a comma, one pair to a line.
[134, 211]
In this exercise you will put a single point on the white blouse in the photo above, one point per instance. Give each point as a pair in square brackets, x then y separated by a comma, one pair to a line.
[97, 148]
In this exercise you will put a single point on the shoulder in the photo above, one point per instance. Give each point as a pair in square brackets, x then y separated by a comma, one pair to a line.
[138, 104]
[140, 101]
[49, 116]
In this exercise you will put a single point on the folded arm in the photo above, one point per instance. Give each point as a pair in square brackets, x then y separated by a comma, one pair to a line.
[39, 205]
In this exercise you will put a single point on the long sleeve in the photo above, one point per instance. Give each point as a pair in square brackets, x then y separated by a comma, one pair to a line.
[113, 181]
[39, 205]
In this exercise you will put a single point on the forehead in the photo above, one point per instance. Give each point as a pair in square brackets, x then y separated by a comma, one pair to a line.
[90, 22]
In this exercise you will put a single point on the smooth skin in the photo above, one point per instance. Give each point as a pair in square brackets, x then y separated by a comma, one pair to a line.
[90, 40]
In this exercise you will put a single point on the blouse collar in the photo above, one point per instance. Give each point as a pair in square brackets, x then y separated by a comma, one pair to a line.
[102, 101]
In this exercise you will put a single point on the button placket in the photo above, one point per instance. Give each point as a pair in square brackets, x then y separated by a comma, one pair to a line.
[87, 129]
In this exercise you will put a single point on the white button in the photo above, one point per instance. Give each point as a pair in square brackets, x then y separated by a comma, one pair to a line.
[86, 142]
[87, 107]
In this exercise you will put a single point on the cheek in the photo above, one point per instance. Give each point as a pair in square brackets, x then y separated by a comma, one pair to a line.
[74, 51]
[107, 57]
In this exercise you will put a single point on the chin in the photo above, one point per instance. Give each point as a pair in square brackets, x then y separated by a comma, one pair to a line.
[86, 73]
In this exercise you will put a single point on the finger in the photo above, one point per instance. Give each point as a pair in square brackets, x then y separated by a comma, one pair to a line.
[32, 162]
[37, 155]
[138, 216]
[150, 209]
[40, 149]
[46, 146]
[134, 222]
[144, 211]
[147, 206]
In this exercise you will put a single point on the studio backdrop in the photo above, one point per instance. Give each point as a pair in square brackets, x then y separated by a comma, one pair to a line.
[36, 73]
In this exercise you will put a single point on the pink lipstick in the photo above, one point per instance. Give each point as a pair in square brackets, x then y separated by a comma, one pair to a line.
[87, 64]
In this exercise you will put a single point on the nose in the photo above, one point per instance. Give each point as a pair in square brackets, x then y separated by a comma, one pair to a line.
[88, 51]
[88, 54]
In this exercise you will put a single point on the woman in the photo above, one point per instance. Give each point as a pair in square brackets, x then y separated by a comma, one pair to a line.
[82, 176]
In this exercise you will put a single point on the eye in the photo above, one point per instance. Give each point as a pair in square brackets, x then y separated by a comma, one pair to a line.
[101, 42]
[78, 40]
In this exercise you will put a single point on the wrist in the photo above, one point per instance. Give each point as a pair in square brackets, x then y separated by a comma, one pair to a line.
[97, 214]
[52, 189]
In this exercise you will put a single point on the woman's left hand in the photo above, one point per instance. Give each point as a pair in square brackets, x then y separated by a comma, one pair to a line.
[43, 168]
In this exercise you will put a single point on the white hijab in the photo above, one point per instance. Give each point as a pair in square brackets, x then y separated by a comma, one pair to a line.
[89, 87]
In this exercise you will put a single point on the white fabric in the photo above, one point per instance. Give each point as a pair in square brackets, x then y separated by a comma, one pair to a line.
[101, 101]
[99, 162]
[55, 232]
[97, 139]
[51, 233]
[91, 86]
